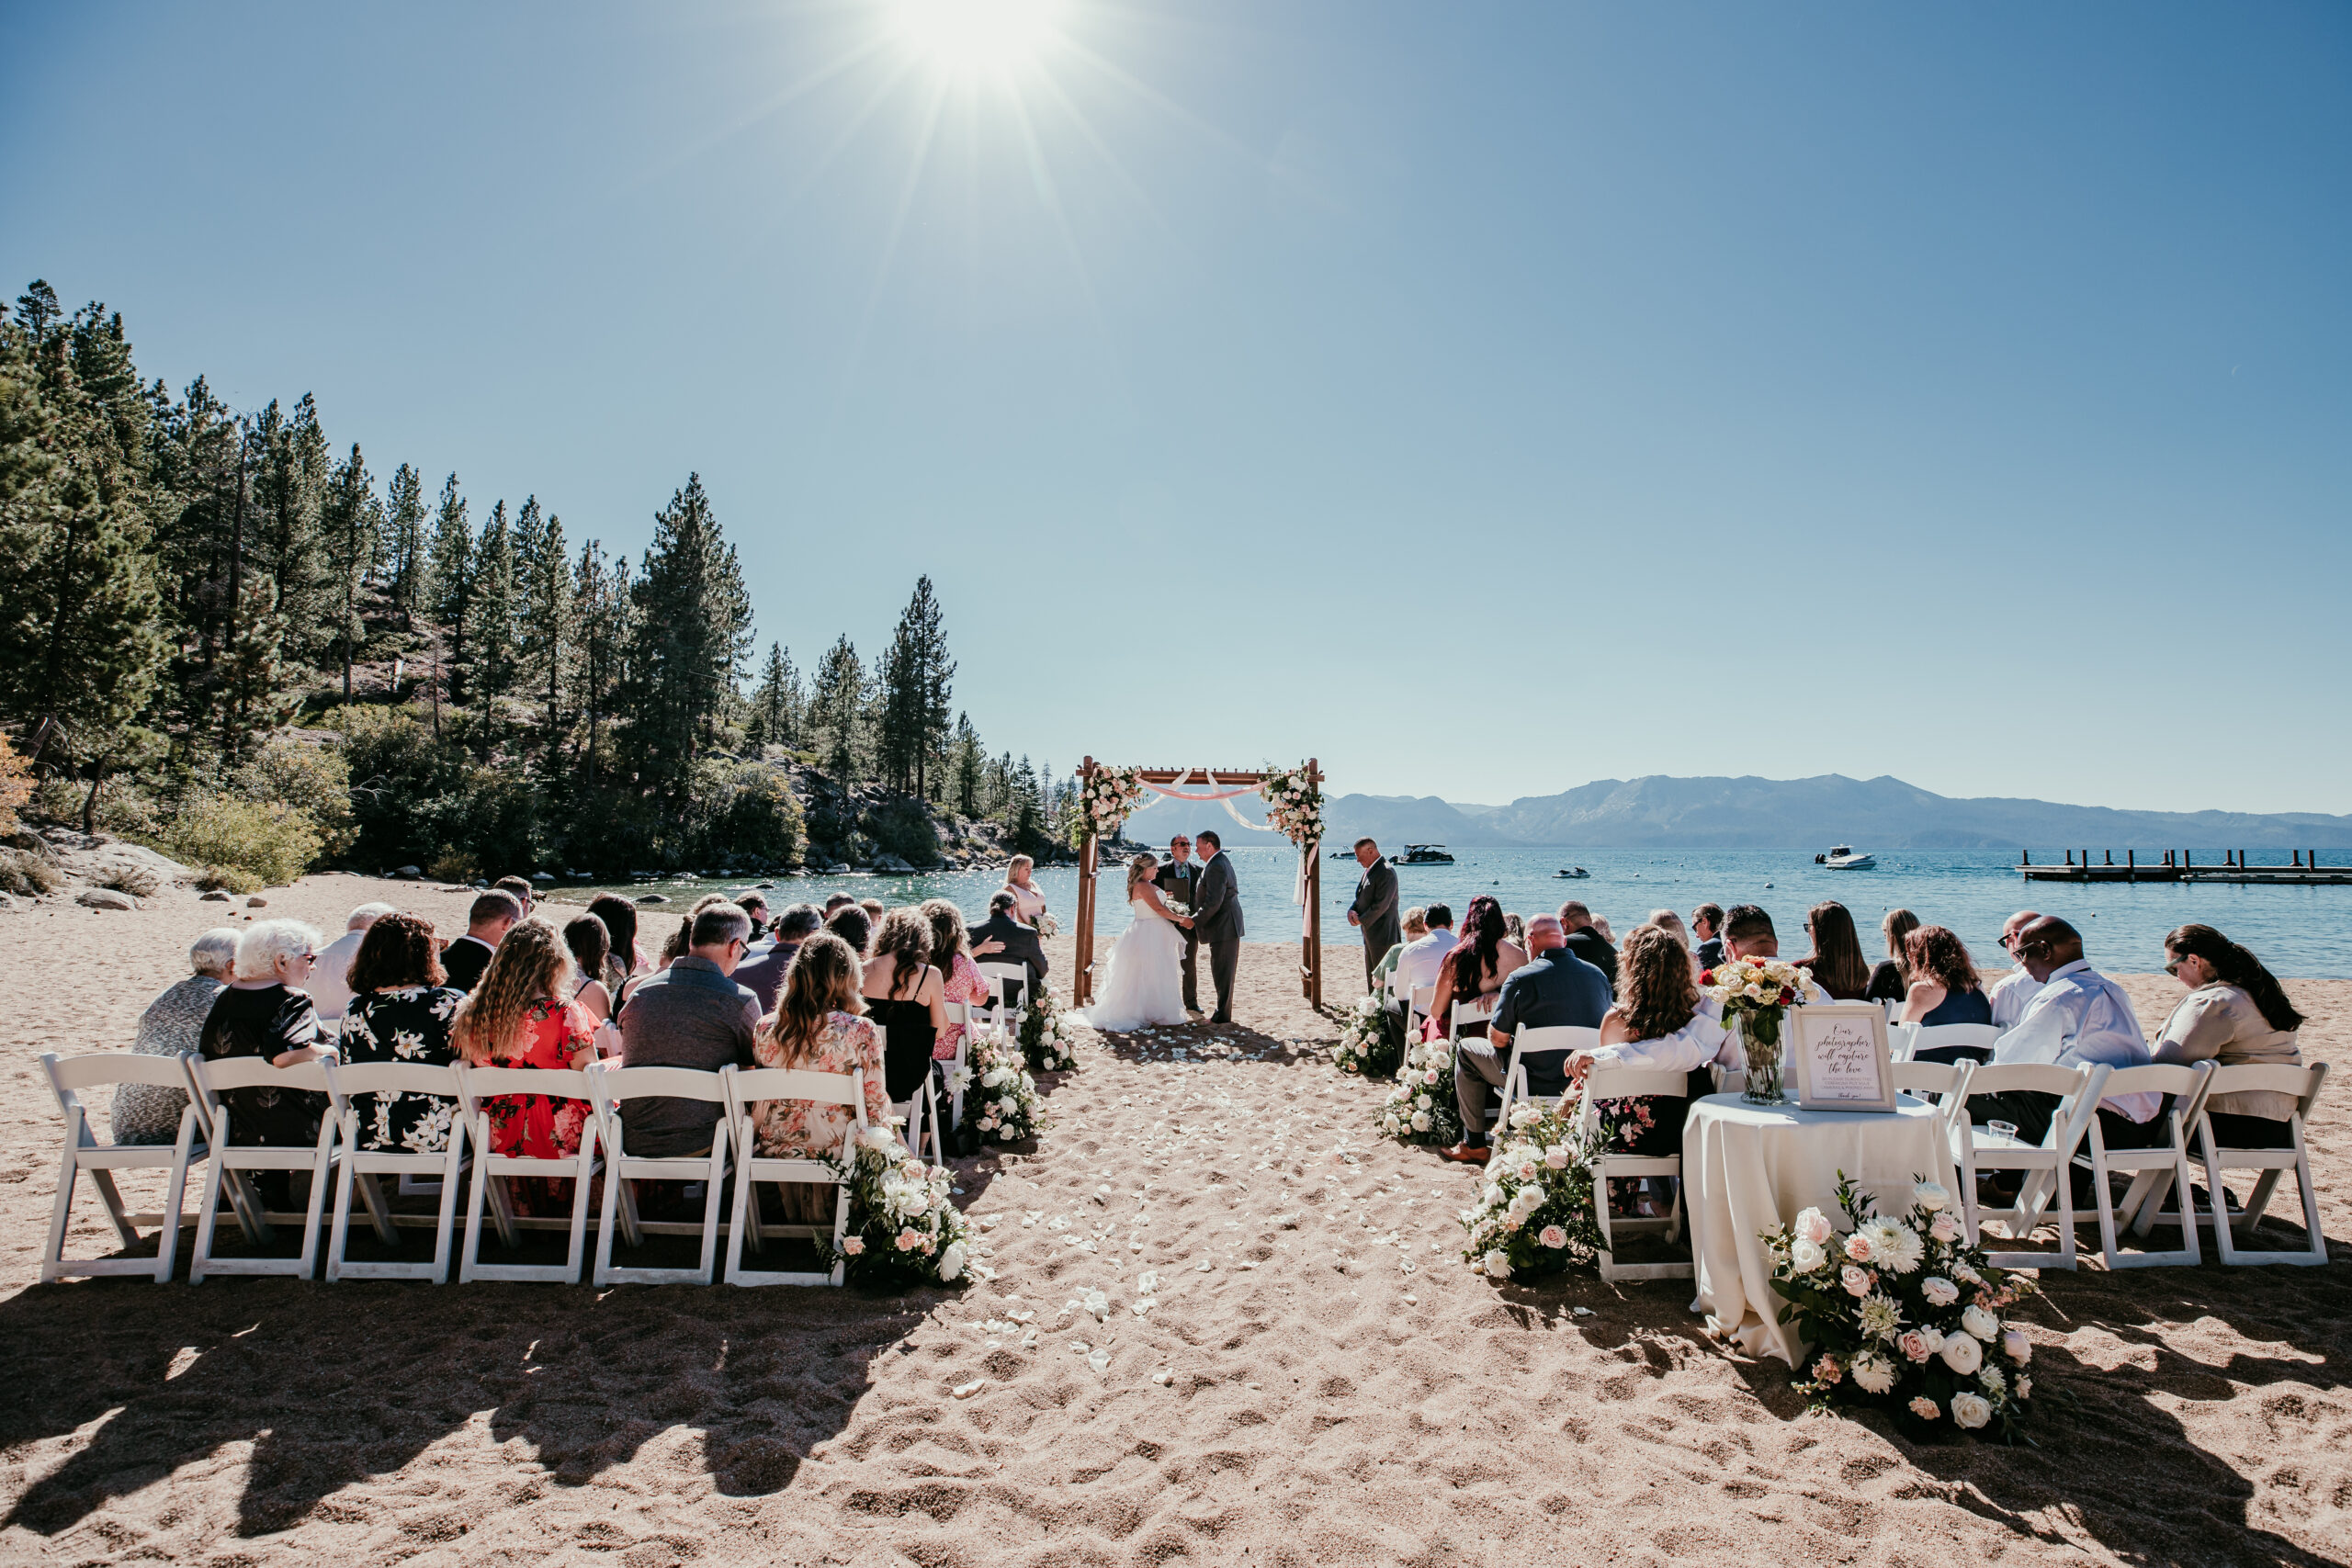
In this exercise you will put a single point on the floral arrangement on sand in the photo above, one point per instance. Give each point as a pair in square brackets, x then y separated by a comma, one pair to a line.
[1904, 1314]
[1534, 1216]
[1104, 803]
[1422, 1109]
[1048, 1044]
[1001, 1104]
[1372, 1040]
[1293, 804]
[904, 1230]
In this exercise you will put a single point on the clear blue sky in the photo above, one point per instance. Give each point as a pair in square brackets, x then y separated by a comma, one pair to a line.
[1486, 399]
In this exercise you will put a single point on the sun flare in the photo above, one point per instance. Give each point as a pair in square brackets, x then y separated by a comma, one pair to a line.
[977, 35]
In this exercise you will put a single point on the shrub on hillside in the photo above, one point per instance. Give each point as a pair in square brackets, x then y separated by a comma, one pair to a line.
[904, 829]
[15, 784]
[240, 844]
[754, 815]
[314, 779]
[26, 874]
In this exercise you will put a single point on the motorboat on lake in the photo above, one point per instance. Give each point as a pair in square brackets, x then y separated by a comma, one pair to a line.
[1572, 871]
[1843, 858]
[1423, 855]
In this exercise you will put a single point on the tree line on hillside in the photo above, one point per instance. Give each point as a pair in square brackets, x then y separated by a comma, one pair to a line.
[220, 633]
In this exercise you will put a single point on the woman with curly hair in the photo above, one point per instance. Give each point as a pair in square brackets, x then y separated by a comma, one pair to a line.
[904, 995]
[960, 980]
[1655, 1023]
[2236, 1013]
[1481, 961]
[818, 1026]
[1944, 987]
[401, 1010]
[522, 1015]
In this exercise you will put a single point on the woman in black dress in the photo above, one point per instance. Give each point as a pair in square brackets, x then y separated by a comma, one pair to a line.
[265, 1013]
[905, 995]
[400, 1012]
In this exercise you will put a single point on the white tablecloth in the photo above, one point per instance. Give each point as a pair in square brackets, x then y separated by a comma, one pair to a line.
[1748, 1167]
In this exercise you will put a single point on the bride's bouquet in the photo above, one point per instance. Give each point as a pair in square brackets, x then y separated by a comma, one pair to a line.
[1372, 1043]
[1047, 925]
[1178, 910]
[1422, 1109]
[904, 1228]
[1904, 1313]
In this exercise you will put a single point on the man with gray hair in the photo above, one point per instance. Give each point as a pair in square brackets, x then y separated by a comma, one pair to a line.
[690, 1015]
[330, 986]
[149, 1113]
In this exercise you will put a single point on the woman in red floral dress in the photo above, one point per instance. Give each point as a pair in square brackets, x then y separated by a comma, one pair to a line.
[522, 1015]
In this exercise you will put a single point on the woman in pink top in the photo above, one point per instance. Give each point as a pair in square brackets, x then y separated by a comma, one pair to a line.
[948, 956]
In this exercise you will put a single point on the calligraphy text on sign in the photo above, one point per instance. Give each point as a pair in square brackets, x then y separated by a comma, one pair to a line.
[1844, 1059]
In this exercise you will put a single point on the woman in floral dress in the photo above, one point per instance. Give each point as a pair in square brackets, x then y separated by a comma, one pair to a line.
[818, 1027]
[1655, 1023]
[522, 1015]
[400, 1011]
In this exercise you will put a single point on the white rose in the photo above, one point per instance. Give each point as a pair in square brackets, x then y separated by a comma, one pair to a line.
[1421, 1120]
[1983, 1324]
[2025, 1388]
[1970, 1411]
[1931, 1196]
[1498, 1265]
[1424, 1102]
[1964, 1354]
[2015, 1346]
[951, 1262]
[1806, 1257]
[1814, 1226]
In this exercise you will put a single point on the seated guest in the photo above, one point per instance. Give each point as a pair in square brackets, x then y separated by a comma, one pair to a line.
[1415, 926]
[874, 912]
[1707, 925]
[1016, 943]
[174, 1022]
[518, 888]
[265, 1012]
[1837, 961]
[960, 977]
[763, 972]
[493, 916]
[693, 1014]
[2014, 992]
[330, 986]
[1478, 967]
[1028, 903]
[624, 958]
[1588, 941]
[756, 905]
[1515, 930]
[522, 1015]
[1553, 990]
[836, 902]
[1946, 990]
[590, 944]
[905, 999]
[2234, 1012]
[1657, 1023]
[1670, 923]
[401, 1012]
[851, 924]
[1891, 977]
[1425, 955]
[2080, 1016]
[818, 1027]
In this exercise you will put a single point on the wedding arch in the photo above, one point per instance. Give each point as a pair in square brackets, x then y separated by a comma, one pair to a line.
[1294, 797]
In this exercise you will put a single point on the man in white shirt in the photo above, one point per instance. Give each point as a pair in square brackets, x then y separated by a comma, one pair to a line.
[2014, 991]
[330, 983]
[2079, 1016]
[1418, 964]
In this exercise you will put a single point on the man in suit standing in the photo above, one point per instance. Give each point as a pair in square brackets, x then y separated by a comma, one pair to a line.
[1375, 910]
[1179, 878]
[1217, 919]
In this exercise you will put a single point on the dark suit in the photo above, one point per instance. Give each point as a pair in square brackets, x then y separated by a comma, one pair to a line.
[1021, 946]
[1711, 953]
[465, 959]
[1375, 912]
[1216, 920]
[1184, 881]
[763, 975]
[1586, 944]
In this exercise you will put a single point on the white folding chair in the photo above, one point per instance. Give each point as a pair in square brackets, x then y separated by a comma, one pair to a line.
[1005, 1011]
[2304, 1084]
[1905, 1040]
[745, 1089]
[1557, 1037]
[476, 1087]
[2155, 1171]
[1948, 1080]
[362, 1165]
[1894, 1011]
[1473, 1009]
[207, 1081]
[2047, 1165]
[919, 1113]
[609, 1089]
[1617, 1083]
[67, 1077]
[974, 1018]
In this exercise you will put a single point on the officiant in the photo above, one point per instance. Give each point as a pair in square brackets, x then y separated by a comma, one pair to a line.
[1375, 910]
[1178, 879]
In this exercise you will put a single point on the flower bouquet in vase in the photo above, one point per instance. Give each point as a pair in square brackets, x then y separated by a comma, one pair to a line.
[1756, 994]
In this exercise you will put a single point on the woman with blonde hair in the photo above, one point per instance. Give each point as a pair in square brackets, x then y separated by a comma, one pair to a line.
[1028, 903]
[906, 998]
[818, 1026]
[522, 1015]
[1891, 978]
[1145, 985]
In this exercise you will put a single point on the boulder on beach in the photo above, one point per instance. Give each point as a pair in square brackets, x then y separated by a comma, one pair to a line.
[106, 899]
[644, 898]
[409, 874]
[218, 896]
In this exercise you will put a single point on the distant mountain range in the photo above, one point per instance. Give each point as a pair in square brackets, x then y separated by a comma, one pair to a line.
[1812, 814]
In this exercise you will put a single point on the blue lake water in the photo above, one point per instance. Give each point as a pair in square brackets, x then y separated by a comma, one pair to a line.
[2296, 930]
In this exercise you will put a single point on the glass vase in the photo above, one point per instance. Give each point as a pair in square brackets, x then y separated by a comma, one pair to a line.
[1759, 1039]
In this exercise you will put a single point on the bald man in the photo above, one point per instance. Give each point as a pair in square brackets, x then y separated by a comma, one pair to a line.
[2014, 991]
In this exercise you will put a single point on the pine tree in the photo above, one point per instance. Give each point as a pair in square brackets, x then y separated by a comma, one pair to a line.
[837, 703]
[353, 531]
[600, 610]
[968, 762]
[36, 307]
[493, 612]
[287, 541]
[775, 707]
[403, 532]
[451, 594]
[545, 639]
[693, 629]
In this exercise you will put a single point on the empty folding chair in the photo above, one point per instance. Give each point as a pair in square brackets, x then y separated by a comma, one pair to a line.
[2304, 1084]
[610, 1089]
[1947, 1081]
[68, 1077]
[745, 1089]
[1560, 1038]
[973, 1017]
[230, 1162]
[1618, 1083]
[2153, 1171]
[361, 1166]
[1007, 982]
[478, 1088]
[2046, 1165]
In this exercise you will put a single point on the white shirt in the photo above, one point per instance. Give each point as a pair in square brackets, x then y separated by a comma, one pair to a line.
[2011, 995]
[330, 982]
[1418, 964]
[2079, 1016]
[1696, 1043]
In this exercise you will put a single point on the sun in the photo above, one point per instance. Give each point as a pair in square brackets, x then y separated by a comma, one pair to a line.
[977, 35]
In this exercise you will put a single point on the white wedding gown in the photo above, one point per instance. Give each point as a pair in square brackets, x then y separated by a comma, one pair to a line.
[1147, 984]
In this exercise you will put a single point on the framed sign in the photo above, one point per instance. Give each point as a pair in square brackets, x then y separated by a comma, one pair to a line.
[1840, 1056]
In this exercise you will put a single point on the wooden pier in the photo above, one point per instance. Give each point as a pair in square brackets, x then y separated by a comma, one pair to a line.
[2175, 865]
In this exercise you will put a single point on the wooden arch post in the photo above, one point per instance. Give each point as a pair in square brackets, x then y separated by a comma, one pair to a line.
[1310, 967]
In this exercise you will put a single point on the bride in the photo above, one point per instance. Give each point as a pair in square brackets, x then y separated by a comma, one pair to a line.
[1145, 987]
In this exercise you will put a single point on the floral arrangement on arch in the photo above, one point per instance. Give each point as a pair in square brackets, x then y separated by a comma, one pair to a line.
[1422, 1108]
[903, 1227]
[1293, 804]
[1105, 800]
[1001, 1104]
[1534, 1216]
[1372, 1040]
[1904, 1313]
[1048, 1044]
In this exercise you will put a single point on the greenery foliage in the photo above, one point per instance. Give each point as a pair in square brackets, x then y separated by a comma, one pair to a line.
[240, 844]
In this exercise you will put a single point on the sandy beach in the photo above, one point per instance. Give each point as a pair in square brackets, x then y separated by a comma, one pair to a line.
[1334, 1386]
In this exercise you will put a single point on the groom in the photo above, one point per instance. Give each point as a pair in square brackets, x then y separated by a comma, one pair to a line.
[1179, 878]
[1216, 920]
